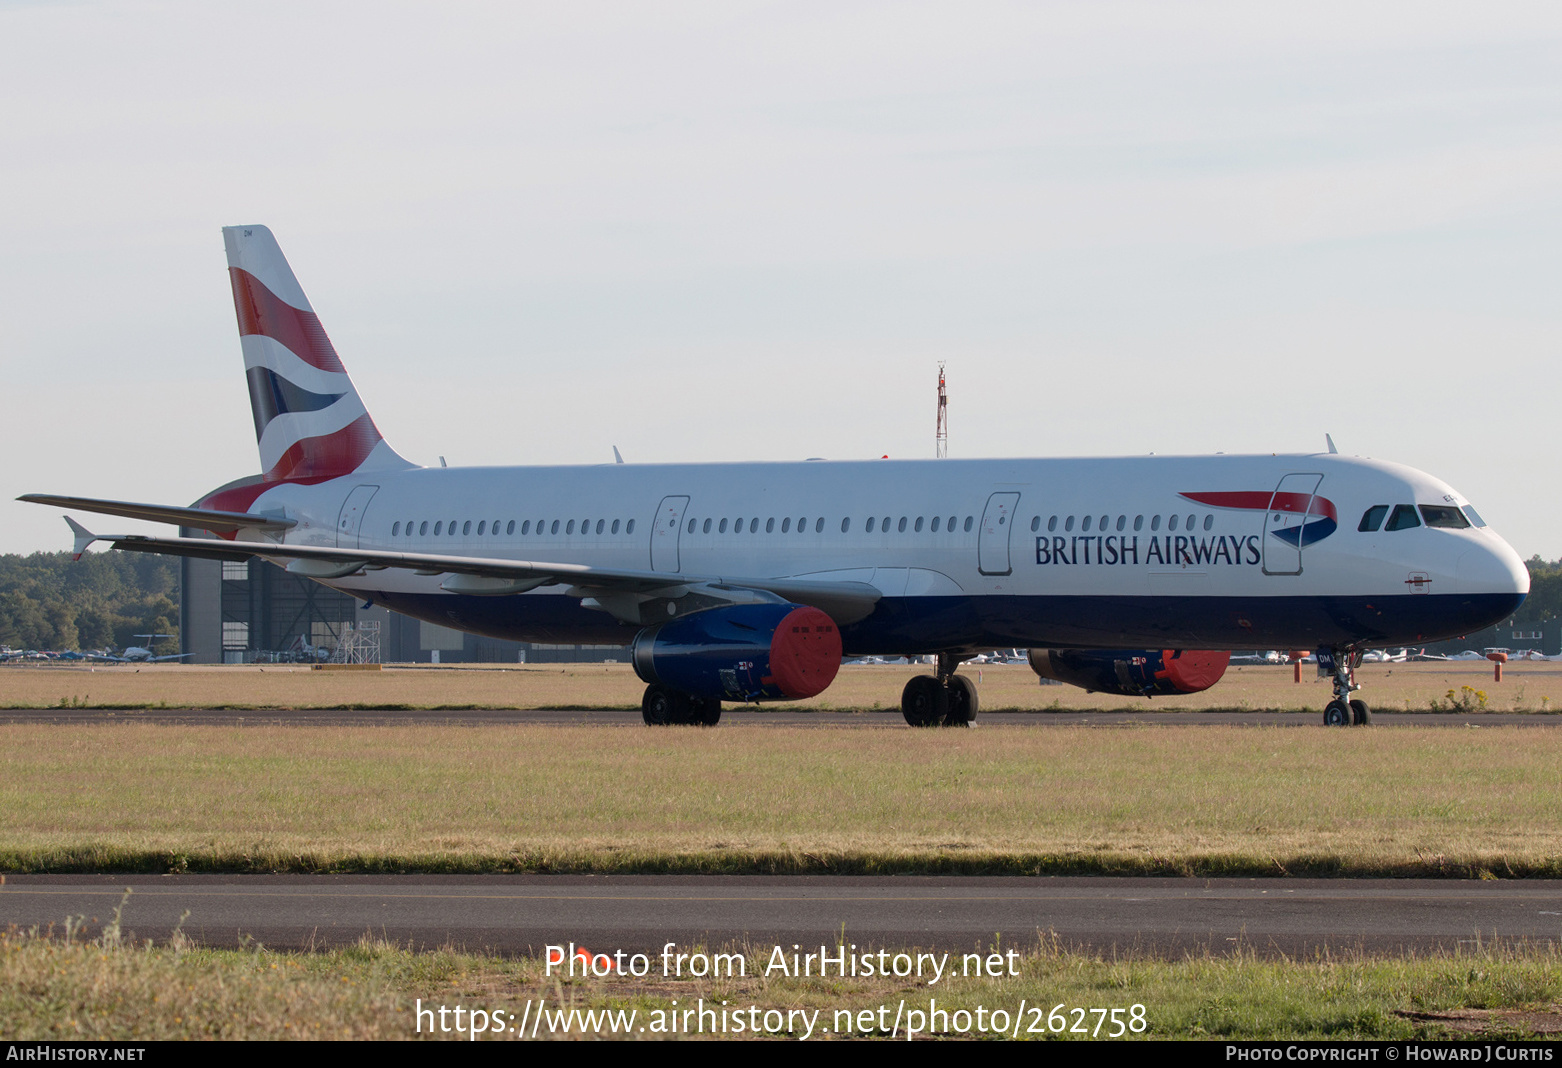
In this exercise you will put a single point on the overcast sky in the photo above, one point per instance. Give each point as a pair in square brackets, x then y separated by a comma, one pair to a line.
[725, 231]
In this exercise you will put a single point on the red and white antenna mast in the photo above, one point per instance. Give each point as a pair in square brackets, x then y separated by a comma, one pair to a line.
[941, 439]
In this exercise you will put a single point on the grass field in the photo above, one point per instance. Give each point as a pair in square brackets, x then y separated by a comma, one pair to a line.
[1479, 802]
[1003, 799]
[53, 988]
[1526, 687]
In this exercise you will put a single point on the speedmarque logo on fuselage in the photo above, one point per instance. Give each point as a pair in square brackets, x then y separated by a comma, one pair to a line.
[1315, 518]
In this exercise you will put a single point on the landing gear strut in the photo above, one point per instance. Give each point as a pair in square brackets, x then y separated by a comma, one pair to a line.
[944, 700]
[662, 706]
[1342, 711]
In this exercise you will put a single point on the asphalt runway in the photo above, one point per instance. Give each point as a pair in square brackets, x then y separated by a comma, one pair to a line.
[524, 913]
[741, 717]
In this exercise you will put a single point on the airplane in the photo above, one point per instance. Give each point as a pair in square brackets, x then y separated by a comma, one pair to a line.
[142, 654]
[751, 581]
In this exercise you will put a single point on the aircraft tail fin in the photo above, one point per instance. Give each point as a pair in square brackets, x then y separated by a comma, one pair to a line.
[310, 422]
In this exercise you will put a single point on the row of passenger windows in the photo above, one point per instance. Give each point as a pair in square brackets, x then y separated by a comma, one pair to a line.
[873, 523]
[915, 524]
[1105, 523]
[450, 529]
[1404, 517]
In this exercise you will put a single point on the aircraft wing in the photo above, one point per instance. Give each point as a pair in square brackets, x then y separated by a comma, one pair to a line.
[200, 518]
[634, 596]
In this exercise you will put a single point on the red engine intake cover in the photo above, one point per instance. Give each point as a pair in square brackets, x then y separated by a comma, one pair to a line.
[805, 653]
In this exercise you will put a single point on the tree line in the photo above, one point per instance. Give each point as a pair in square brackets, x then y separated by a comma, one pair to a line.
[48, 601]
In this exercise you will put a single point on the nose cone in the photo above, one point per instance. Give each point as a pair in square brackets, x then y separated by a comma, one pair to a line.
[1492, 570]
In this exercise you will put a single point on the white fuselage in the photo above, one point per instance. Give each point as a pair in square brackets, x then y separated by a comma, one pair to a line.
[1113, 552]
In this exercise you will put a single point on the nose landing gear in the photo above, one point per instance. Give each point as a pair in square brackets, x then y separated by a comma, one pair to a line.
[1342, 711]
[944, 700]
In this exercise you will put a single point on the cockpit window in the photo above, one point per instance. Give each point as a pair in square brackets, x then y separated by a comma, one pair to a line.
[1442, 515]
[1475, 517]
[1372, 519]
[1404, 518]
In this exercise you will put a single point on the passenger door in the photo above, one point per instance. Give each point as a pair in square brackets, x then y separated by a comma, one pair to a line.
[664, 533]
[1285, 523]
[350, 521]
[992, 541]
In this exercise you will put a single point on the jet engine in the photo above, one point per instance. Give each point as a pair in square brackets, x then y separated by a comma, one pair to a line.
[779, 652]
[1133, 672]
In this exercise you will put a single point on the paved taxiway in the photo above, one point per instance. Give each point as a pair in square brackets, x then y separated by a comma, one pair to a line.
[523, 913]
[739, 717]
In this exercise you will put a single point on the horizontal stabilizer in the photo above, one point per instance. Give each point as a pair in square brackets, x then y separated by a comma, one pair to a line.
[199, 518]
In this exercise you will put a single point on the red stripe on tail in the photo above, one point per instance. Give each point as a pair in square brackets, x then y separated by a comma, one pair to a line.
[328, 456]
[262, 312]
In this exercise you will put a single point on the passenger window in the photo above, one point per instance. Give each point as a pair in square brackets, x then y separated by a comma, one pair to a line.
[509, 528]
[917, 526]
[802, 525]
[466, 528]
[438, 527]
[753, 525]
[770, 525]
[1190, 522]
[614, 528]
[819, 525]
[395, 529]
[554, 529]
[884, 526]
[1155, 523]
[936, 520]
[1052, 524]
[1404, 518]
[970, 521]
[1171, 524]
[1084, 524]
[526, 527]
[951, 525]
[1104, 520]
[480, 527]
[902, 527]
[868, 525]
[846, 524]
[1122, 521]
[494, 529]
[1138, 522]
[1445, 517]
[1209, 521]
[1475, 517]
[569, 528]
[721, 528]
[1372, 518]
[629, 527]
[602, 523]
[1068, 524]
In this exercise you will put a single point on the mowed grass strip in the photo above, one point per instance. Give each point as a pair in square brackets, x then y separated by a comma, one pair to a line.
[109, 990]
[1526, 687]
[1217, 800]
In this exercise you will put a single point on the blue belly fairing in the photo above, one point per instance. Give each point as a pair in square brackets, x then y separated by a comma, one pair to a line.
[916, 625]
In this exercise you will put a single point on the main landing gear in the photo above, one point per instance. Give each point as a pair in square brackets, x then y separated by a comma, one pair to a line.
[662, 706]
[1342, 711]
[945, 700]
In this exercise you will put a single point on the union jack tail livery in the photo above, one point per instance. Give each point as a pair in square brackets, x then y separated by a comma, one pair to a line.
[310, 423]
